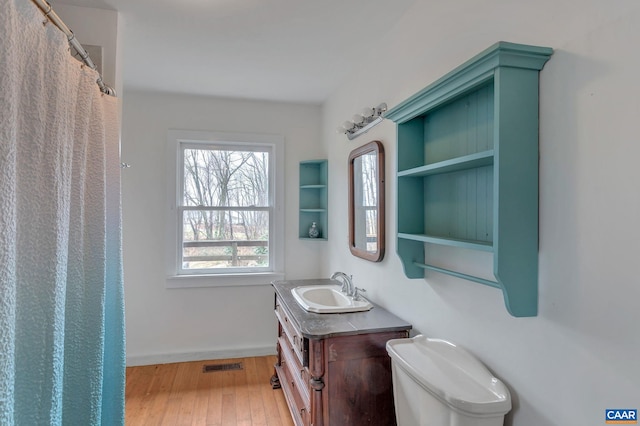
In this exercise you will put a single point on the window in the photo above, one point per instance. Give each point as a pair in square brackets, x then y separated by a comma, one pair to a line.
[227, 218]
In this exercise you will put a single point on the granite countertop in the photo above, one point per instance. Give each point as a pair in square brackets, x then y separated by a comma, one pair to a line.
[319, 326]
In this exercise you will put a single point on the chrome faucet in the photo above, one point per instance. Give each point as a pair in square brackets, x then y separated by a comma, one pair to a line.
[347, 283]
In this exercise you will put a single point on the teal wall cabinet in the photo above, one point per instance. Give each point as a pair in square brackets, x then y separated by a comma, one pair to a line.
[467, 169]
[313, 198]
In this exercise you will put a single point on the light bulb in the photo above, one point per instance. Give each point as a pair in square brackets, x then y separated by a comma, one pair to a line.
[357, 119]
[367, 112]
[348, 125]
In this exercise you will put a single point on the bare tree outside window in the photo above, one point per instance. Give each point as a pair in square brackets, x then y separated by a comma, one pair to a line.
[225, 213]
[370, 199]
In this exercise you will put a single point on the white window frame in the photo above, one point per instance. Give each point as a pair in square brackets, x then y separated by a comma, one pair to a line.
[178, 277]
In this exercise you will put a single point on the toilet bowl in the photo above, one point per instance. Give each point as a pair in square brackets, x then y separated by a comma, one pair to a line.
[436, 383]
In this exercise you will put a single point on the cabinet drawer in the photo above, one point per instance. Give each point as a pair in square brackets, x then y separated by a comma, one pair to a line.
[294, 380]
[299, 344]
[297, 375]
[300, 413]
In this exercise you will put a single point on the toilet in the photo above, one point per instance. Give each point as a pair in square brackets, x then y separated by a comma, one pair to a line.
[436, 383]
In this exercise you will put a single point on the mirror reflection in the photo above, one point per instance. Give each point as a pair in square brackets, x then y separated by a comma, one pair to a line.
[366, 201]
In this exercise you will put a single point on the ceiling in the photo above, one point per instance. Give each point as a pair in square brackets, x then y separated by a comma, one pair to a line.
[281, 50]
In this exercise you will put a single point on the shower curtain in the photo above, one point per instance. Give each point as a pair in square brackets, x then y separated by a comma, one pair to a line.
[61, 293]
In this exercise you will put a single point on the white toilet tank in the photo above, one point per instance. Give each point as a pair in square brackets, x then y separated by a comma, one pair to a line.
[436, 383]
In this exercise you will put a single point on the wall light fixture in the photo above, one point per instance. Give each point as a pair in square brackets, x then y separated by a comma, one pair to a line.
[362, 122]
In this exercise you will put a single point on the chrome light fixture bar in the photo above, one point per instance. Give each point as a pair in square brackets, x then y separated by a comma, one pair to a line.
[361, 123]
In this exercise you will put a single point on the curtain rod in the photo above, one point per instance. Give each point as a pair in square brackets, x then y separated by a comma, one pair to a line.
[53, 17]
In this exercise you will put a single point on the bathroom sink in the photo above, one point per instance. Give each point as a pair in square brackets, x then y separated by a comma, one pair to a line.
[328, 299]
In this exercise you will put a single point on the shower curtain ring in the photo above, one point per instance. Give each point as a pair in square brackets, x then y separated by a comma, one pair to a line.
[46, 15]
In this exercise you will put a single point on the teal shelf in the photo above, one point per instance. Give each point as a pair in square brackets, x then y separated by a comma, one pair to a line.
[467, 161]
[467, 244]
[313, 186]
[313, 201]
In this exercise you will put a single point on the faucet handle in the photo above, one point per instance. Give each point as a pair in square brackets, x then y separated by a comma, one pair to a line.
[357, 291]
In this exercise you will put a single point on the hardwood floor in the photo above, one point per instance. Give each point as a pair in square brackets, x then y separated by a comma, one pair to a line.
[182, 394]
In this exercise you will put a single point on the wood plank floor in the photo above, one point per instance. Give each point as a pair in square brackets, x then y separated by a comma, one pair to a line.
[182, 394]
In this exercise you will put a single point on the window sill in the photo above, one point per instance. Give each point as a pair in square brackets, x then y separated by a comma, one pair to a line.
[223, 280]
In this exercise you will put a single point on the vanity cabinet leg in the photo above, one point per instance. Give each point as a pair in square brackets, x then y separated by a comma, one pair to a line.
[317, 381]
[275, 381]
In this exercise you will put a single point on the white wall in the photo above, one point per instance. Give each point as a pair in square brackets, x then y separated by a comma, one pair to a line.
[580, 354]
[166, 325]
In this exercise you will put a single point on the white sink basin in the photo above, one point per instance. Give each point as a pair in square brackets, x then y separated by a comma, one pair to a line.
[328, 299]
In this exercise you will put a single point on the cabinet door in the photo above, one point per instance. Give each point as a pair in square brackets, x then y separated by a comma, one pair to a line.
[358, 381]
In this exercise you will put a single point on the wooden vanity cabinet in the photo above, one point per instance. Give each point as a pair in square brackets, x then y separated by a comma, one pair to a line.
[335, 379]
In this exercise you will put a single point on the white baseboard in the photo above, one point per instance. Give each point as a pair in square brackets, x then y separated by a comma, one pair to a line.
[135, 360]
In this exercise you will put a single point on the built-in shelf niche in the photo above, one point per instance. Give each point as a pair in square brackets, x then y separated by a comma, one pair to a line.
[313, 199]
[467, 169]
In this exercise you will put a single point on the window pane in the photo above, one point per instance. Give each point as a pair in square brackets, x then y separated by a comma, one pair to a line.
[225, 239]
[371, 227]
[369, 180]
[226, 178]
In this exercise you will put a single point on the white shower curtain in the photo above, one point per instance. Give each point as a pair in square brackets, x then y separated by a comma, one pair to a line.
[61, 295]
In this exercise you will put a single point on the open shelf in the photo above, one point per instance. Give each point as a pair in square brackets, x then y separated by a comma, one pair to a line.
[452, 242]
[313, 186]
[313, 198]
[467, 161]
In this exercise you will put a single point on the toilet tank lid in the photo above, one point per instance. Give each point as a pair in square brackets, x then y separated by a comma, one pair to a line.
[451, 374]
